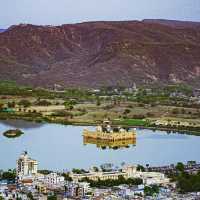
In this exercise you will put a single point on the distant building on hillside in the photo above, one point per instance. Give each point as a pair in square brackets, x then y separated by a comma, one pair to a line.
[26, 167]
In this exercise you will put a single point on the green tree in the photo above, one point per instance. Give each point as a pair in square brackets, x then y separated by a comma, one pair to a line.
[25, 103]
[11, 104]
[96, 169]
[52, 197]
[78, 171]
[140, 168]
[67, 177]
[111, 183]
[188, 182]
[126, 111]
[69, 105]
[98, 103]
[151, 190]
[43, 103]
[45, 171]
[30, 196]
[9, 175]
[175, 111]
[62, 113]
[180, 167]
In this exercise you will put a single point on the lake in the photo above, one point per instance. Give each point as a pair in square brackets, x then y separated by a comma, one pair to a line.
[59, 147]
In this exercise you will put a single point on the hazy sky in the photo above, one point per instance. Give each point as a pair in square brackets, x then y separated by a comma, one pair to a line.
[71, 11]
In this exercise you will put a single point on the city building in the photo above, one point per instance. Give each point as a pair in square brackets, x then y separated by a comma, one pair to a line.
[26, 167]
[127, 172]
[41, 187]
[75, 190]
[153, 178]
[53, 179]
[149, 178]
[95, 176]
[130, 170]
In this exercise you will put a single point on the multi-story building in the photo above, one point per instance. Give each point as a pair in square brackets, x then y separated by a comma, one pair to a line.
[75, 190]
[95, 176]
[26, 167]
[127, 172]
[53, 179]
[148, 178]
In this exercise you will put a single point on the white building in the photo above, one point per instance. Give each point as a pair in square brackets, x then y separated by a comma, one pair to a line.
[95, 176]
[26, 167]
[85, 186]
[130, 170]
[53, 179]
[149, 178]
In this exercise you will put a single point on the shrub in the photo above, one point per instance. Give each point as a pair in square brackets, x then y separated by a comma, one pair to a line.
[11, 104]
[126, 111]
[43, 103]
[62, 113]
[25, 103]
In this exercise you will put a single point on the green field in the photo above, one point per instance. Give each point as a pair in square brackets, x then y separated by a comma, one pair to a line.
[132, 122]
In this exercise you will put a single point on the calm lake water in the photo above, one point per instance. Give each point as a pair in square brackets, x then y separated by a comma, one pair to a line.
[59, 147]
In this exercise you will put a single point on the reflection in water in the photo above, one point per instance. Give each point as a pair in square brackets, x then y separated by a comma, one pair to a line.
[155, 148]
[21, 124]
[104, 144]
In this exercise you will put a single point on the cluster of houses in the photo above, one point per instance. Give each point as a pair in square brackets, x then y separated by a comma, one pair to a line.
[40, 186]
[166, 122]
[149, 178]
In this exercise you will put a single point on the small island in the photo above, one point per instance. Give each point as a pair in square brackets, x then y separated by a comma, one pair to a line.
[13, 133]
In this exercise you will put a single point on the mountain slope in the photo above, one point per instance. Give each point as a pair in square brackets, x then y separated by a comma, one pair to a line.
[174, 23]
[96, 54]
[2, 30]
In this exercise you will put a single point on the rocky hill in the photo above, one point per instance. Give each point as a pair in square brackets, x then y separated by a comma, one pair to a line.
[174, 23]
[96, 54]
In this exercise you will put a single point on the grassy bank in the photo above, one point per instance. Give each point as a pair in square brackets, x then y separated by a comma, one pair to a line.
[132, 123]
[79, 107]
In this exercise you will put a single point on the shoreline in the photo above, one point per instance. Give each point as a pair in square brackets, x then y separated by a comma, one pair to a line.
[74, 123]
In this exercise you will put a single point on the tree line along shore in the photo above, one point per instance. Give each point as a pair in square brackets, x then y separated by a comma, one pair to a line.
[170, 108]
